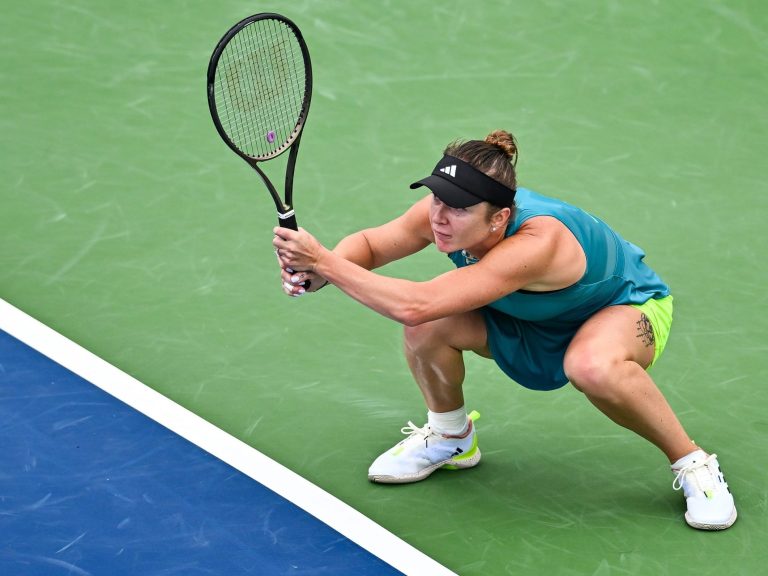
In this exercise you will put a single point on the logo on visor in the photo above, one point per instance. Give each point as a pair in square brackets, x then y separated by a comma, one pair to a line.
[450, 170]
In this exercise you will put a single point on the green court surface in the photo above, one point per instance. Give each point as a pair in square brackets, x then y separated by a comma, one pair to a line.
[128, 226]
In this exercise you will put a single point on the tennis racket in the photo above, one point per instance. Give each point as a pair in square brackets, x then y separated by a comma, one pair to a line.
[259, 89]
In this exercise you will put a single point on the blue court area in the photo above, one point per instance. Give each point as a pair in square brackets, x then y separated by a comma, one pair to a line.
[88, 485]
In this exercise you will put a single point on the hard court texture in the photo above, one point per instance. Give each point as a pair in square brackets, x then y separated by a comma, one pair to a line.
[129, 227]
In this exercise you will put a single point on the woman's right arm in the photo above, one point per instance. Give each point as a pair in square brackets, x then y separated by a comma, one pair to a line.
[405, 235]
[373, 247]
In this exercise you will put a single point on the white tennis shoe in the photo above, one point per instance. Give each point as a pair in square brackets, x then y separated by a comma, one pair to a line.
[423, 452]
[710, 502]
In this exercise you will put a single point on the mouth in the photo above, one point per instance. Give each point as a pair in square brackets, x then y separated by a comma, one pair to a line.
[441, 235]
[443, 242]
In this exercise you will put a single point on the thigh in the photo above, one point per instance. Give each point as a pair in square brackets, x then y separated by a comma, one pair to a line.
[616, 333]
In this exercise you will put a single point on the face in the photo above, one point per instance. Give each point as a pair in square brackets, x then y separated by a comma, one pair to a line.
[459, 228]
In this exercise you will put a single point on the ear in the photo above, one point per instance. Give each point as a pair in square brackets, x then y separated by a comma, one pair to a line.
[501, 217]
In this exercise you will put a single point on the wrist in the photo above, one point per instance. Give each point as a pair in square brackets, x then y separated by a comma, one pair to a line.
[321, 262]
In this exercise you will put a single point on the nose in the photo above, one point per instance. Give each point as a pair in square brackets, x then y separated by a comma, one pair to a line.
[440, 214]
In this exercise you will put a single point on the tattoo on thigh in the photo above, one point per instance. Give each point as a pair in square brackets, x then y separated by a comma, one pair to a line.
[645, 331]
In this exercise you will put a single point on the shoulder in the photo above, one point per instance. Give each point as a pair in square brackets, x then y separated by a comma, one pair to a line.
[530, 204]
[540, 233]
[546, 250]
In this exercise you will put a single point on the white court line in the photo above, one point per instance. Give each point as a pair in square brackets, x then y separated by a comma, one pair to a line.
[314, 500]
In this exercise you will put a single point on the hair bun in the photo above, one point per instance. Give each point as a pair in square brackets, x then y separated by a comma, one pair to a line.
[505, 142]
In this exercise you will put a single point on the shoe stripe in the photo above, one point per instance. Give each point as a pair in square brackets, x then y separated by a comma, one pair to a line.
[469, 453]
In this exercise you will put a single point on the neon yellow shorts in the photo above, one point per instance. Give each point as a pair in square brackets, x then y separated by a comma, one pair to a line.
[659, 312]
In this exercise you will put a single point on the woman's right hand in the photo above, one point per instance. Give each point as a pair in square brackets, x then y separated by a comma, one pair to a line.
[299, 283]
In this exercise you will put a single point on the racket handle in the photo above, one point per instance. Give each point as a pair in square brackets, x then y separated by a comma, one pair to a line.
[288, 220]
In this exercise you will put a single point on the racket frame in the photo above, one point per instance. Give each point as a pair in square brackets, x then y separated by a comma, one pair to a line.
[285, 211]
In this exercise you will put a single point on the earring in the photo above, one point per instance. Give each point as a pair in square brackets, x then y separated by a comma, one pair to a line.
[493, 228]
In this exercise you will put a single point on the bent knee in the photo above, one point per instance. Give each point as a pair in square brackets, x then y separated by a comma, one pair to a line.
[425, 334]
[590, 373]
[461, 332]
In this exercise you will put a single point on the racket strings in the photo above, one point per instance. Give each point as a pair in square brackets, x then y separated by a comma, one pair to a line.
[260, 108]
[260, 87]
[248, 88]
[284, 80]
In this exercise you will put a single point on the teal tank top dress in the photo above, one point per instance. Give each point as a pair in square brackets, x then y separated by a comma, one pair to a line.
[529, 332]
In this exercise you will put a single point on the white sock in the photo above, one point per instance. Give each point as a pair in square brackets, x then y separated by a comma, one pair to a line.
[697, 454]
[453, 423]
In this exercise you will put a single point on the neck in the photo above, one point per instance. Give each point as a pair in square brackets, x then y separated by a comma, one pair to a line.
[480, 250]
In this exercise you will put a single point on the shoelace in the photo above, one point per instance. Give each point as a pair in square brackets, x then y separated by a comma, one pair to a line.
[701, 474]
[413, 430]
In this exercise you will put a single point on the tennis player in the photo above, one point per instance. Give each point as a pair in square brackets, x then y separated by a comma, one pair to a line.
[551, 293]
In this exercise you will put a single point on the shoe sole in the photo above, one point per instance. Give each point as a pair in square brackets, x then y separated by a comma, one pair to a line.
[450, 464]
[709, 526]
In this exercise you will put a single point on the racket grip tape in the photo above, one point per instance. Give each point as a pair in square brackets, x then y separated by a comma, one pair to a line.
[288, 220]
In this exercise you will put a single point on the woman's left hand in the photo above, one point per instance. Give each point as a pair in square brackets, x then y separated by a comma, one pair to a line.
[297, 250]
